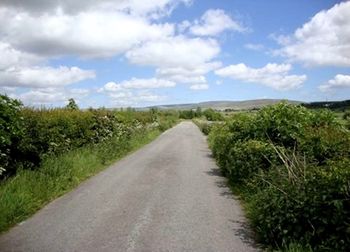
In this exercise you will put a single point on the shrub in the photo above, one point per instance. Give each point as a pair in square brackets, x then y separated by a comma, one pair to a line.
[245, 159]
[219, 141]
[212, 115]
[320, 144]
[312, 206]
[187, 114]
[292, 167]
[28, 135]
[223, 136]
[282, 123]
[11, 131]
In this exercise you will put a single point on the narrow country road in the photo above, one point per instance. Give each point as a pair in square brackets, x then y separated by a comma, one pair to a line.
[168, 196]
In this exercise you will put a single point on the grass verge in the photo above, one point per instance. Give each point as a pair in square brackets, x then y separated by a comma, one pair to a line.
[24, 194]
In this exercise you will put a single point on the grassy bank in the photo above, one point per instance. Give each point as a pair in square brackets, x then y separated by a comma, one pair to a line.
[29, 190]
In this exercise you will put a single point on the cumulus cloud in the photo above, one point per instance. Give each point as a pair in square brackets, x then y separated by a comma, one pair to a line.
[272, 75]
[41, 77]
[179, 59]
[87, 34]
[147, 83]
[49, 96]
[191, 75]
[323, 41]
[111, 87]
[132, 98]
[340, 81]
[199, 86]
[11, 57]
[135, 91]
[153, 8]
[254, 47]
[24, 69]
[177, 51]
[212, 23]
[136, 83]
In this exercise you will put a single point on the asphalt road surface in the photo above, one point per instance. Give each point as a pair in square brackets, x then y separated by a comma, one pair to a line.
[167, 196]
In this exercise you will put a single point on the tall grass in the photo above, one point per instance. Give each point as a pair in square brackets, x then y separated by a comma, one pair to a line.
[29, 190]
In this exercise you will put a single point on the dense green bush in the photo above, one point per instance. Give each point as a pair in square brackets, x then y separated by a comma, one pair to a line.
[291, 165]
[223, 136]
[245, 159]
[11, 132]
[212, 115]
[312, 207]
[187, 114]
[282, 123]
[320, 144]
[55, 131]
[28, 135]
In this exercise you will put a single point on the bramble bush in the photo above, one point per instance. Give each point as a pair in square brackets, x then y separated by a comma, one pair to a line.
[11, 132]
[212, 115]
[305, 203]
[291, 165]
[28, 135]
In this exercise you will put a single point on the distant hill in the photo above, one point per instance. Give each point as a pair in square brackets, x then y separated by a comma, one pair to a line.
[222, 105]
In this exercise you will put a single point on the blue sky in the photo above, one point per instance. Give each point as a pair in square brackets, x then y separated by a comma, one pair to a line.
[119, 53]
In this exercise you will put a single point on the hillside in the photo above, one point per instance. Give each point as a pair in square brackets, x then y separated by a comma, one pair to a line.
[222, 105]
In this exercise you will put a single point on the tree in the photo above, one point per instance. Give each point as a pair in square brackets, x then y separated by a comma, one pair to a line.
[72, 105]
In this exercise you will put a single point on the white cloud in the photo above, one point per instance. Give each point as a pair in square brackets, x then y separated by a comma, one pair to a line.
[128, 93]
[111, 87]
[135, 83]
[176, 51]
[36, 97]
[200, 69]
[179, 59]
[130, 98]
[271, 75]
[214, 22]
[199, 86]
[192, 75]
[153, 8]
[79, 91]
[338, 82]
[254, 47]
[11, 57]
[324, 40]
[22, 69]
[147, 97]
[87, 34]
[49, 96]
[43, 76]
[147, 83]
[183, 26]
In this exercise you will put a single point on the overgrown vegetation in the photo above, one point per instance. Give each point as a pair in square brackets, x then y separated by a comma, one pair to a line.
[29, 135]
[46, 152]
[291, 167]
[209, 114]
